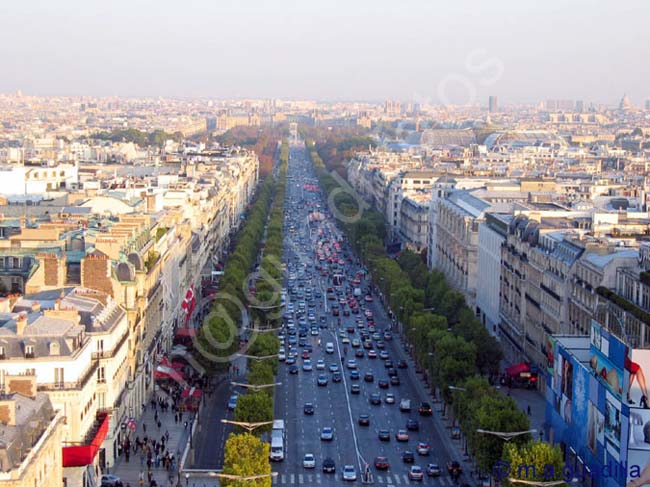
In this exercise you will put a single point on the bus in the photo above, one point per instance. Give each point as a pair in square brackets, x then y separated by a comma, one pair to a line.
[277, 441]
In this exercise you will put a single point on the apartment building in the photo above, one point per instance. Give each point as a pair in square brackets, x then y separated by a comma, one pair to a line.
[549, 275]
[32, 431]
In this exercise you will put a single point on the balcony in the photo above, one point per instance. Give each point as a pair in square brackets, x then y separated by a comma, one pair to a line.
[76, 385]
[111, 353]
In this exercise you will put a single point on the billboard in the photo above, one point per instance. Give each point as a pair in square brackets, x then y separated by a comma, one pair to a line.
[638, 453]
[607, 360]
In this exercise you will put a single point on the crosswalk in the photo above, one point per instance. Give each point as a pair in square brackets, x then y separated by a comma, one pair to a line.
[379, 479]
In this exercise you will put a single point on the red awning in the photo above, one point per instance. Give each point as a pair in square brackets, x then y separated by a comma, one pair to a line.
[79, 456]
[164, 372]
[193, 392]
[515, 370]
[186, 332]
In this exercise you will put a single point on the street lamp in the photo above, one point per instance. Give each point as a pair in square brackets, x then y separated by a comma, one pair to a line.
[256, 387]
[245, 477]
[247, 426]
[187, 480]
[256, 357]
[537, 484]
[505, 435]
[454, 388]
[261, 330]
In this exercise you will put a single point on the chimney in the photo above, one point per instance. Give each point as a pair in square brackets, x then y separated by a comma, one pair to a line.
[8, 412]
[22, 384]
[21, 323]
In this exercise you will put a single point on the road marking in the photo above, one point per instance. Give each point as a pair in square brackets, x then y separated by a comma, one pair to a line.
[310, 479]
[300, 478]
[318, 478]
[275, 480]
[284, 478]
[398, 480]
[380, 479]
[389, 480]
[293, 478]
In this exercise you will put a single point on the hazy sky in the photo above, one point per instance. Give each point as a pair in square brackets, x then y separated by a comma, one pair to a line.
[447, 51]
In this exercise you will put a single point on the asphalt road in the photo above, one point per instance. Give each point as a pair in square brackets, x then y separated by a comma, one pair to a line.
[335, 406]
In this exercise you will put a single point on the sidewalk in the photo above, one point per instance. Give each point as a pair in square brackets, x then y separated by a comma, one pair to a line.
[129, 471]
[537, 403]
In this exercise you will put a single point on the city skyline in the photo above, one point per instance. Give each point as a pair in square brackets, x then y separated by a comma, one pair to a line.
[456, 54]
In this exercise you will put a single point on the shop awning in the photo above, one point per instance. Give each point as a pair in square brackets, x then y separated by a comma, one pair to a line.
[186, 332]
[80, 455]
[518, 369]
[193, 392]
[164, 372]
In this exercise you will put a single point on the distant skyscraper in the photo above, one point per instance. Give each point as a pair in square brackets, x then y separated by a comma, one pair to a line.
[493, 105]
[625, 103]
[580, 106]
[647, 104]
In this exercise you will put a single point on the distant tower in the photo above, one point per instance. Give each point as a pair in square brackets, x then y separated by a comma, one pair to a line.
[625, 103]
[647, 104]
[493, 105]
[580, 106]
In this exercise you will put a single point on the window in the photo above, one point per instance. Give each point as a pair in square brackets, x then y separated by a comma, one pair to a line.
[29, 351]
[58, 377]
[100, 347]
[101, 375]
[2, 352]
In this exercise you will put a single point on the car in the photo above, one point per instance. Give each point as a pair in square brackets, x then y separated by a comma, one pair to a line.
[358, 353]
[282, 355]
[381, 346]
[408, 457]
[454, 469]
[354, 375]
[329, 466]
[402, 435]
[412, 424]
[320, 364]
[306, 366]
[367, 344]
[349, 473]
[388, 364]
[308, 408]
[111, 481]
[388, 336]
[372, 353]
[383, 435]
[394, 381]
[416, 473]
[322, 380]
[423, 448]
[345, 340]
[391, 372]
[327, 434]
[355, 389]
[402, 364]
[314, 332]
[405, 405]
[375, 399]
[381, 463]
[389, 398]
[368, 377]
[232, 403]
[455, 433]
[352, 364]
[433, 470]
[305, 354]
[293, 369]
[337, 377]
[329, 347]
[309, 461]
[333, 368]
[364, 420]
[425, 409]
[383, 383]
[356, 343]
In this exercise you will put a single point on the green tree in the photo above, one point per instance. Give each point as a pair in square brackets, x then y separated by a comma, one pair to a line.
[246, 455]
[534, 461]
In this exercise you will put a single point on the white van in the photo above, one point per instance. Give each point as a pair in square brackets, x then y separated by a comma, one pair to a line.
[329, 347]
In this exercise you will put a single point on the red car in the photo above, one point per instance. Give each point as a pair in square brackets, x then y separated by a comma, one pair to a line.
[381, 463]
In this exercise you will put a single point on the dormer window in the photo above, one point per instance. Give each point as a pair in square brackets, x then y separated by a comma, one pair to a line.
[29, 351]
[55, 349]
[2, 353]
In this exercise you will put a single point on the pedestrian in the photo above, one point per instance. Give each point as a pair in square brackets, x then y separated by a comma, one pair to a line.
[529, 410]
[185, 424]
[175, 418]
[167, 435]
[141, 459]
[159, 425]
[144, 428]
